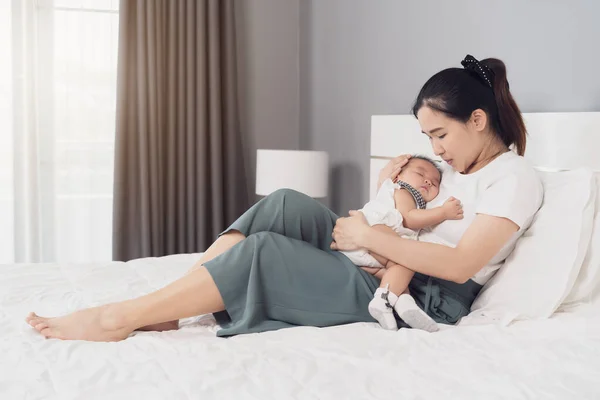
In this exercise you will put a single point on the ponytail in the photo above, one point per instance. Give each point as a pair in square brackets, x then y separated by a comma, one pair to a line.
[457, 92]
[511, 128]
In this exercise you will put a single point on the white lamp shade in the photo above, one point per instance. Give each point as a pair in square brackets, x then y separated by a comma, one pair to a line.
[304, 171]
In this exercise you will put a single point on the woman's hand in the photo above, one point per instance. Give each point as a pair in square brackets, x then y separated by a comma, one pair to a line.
[392, 169]
[349, 232]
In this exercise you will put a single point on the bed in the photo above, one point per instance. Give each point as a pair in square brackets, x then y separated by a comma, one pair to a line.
[550, 358]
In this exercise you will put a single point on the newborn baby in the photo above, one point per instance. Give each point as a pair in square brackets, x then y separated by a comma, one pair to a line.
[400, 207]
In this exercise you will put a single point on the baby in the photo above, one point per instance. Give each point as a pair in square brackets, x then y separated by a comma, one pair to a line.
[400, 206]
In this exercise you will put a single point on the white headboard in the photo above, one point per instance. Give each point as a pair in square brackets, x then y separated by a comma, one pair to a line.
[557, 141]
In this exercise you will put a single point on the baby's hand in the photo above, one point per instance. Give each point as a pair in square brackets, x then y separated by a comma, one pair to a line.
[453, 209]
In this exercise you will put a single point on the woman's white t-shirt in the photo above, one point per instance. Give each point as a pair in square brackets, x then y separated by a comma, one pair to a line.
[507, 187]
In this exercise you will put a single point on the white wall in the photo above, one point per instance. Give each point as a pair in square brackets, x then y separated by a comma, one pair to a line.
[360, 58]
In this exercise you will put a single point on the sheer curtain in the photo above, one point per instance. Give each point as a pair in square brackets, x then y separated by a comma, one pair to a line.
[57, 127]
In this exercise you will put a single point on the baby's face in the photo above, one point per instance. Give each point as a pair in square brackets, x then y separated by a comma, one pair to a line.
[423, 176]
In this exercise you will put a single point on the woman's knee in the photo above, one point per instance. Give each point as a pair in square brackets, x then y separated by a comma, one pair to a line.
[261, 237]
[289, 202]
[270, 242]
[263, 245]
[286, 193]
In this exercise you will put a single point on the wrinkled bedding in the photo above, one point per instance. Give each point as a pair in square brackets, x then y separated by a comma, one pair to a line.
[557, 358]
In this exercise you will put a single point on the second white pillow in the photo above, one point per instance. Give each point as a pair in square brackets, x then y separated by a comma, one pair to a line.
[541, 270]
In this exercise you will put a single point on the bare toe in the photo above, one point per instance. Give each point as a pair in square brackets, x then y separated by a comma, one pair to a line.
[33, 322]
[104, 324]
[38, 320]
[33, 316]
[47, 332]
[41, 326]
[30, 316]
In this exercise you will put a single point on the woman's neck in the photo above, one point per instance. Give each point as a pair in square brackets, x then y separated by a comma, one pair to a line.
[494, 149]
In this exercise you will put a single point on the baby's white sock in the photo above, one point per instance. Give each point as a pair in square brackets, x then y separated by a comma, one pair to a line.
[409, 311]
[381, 308]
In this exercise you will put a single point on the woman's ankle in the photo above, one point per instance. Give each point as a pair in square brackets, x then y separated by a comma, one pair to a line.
[127, 314]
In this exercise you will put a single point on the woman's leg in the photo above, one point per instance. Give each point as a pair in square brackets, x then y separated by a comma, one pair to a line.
[288, 282]
[193, 294]
[220, 246]
[268, 281]
[286, 212]
[291, 214]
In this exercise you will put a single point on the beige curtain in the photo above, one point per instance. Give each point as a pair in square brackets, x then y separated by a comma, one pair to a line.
[179, 176]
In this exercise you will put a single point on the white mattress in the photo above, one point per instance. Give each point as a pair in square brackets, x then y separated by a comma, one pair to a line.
[553, 359]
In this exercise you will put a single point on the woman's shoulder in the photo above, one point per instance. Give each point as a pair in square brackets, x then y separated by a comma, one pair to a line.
[512, 165]
[513, 189]
[511, 160]
[518, 170]
[508, 166]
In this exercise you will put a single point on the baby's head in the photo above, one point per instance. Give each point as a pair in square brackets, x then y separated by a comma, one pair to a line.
[422, 174]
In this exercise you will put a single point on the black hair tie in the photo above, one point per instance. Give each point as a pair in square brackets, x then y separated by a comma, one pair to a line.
[470, 63]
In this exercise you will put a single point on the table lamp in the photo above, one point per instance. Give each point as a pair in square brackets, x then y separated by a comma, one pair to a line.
[304, 171]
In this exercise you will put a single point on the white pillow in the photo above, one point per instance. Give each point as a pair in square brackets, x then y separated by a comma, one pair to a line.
[588, 279]
[541, 270]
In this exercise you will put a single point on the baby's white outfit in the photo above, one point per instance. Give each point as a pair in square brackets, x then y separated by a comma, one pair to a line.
[382, 211]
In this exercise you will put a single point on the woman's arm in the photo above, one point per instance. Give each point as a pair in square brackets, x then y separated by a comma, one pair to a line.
[483, 239]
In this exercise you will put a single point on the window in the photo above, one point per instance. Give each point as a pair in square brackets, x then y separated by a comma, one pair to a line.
[57, 118]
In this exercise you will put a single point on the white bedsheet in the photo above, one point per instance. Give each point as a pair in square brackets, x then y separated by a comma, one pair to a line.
[552, 359]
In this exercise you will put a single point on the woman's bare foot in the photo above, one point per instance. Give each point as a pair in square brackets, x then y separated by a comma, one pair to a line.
[99, 324]
[163, 326]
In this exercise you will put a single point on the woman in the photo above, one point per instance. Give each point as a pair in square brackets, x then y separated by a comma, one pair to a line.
[277, 267]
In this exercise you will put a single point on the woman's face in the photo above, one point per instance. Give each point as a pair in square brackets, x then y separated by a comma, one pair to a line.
[457, 143]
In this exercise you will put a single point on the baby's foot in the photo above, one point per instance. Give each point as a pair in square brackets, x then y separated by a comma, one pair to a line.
[99, 324]
[381, 308]
[414, 317]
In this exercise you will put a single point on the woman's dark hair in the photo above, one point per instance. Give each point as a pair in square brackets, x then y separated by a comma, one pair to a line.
[457, 92]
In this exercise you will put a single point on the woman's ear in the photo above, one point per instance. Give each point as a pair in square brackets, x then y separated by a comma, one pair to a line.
[479, 119]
